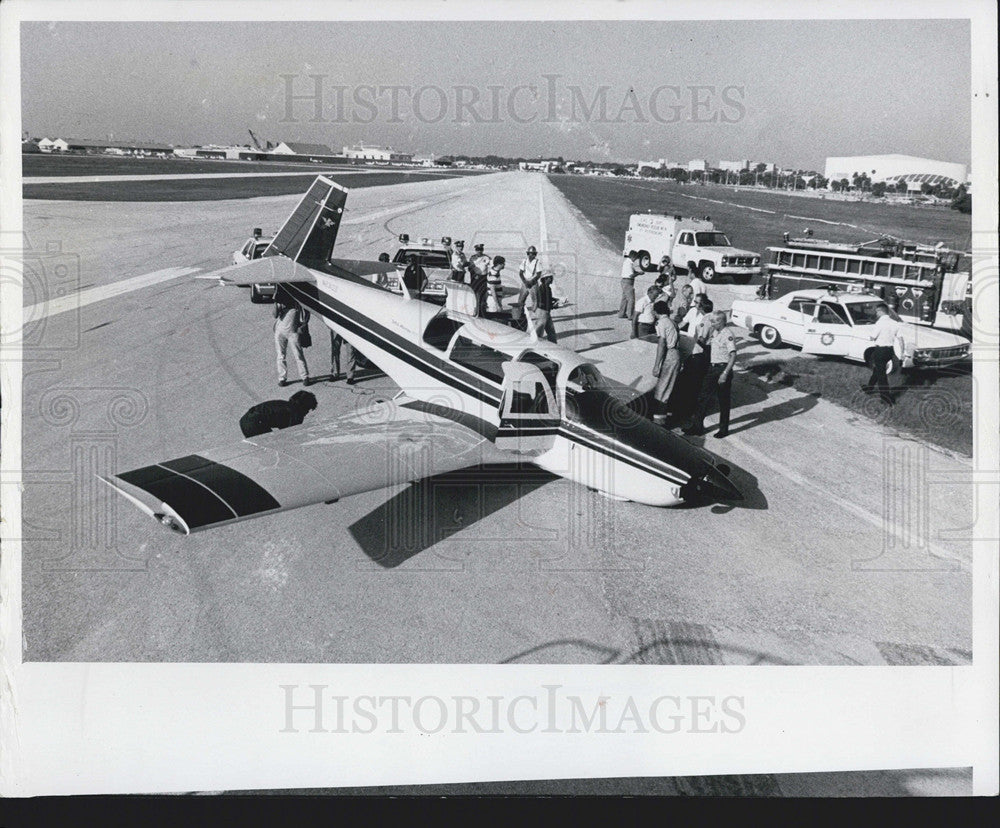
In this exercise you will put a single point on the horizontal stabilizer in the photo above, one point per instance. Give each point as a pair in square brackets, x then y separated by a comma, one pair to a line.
[272, 270]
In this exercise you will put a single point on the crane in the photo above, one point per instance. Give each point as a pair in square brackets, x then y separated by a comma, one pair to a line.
[256, 143]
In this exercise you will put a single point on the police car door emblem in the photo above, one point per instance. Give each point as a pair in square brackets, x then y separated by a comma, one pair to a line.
[826, 338]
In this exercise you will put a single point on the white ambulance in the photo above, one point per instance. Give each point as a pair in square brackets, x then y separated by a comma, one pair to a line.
[693, 245]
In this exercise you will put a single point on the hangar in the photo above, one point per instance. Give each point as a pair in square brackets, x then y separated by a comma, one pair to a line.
[893, 168]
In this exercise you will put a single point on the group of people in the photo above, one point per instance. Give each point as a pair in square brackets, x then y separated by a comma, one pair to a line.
[696, 350]
[291, 331]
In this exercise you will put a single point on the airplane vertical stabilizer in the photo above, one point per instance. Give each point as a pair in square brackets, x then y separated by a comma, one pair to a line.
[309, 233]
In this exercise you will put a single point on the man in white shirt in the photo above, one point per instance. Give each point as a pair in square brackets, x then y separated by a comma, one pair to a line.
[697, 285]
[459, 264]
[528, 273]
[630, 269]
[884, 334]
[644, 321]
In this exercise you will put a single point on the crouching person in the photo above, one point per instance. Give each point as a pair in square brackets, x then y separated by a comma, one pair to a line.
[272, 414]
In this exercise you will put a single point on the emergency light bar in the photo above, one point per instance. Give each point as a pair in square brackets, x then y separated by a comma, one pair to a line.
[404, 238]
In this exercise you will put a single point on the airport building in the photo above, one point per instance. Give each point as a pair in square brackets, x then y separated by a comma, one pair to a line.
[697, 165]
[366, 153]
[297, 148]
[734, 166]
[894, 168]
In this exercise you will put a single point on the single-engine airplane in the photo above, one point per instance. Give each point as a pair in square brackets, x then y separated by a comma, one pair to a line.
[474, 392]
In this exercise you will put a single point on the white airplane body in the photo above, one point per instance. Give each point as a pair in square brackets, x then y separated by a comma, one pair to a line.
[474, 392]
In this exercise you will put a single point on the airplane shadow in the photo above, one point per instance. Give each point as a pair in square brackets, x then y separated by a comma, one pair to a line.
[582, 332]
[591, 315]
[432, 510]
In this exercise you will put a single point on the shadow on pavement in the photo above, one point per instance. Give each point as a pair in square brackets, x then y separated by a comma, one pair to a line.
[434, 509]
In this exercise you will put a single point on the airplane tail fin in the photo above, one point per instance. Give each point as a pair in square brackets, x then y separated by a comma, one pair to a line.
[309, 233]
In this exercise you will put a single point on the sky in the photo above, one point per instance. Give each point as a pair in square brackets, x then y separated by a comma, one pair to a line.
[791, 92]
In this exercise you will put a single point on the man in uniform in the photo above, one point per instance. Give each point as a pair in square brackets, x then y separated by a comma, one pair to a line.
[271, 414]
[884, 334]
[414, 276]
[479, 264]
[459, 264]
[718, 381]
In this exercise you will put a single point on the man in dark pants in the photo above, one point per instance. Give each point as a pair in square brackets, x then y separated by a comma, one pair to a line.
[885, 332]
[414, 276]
[271, 414]
[719, 379]
[336, 342]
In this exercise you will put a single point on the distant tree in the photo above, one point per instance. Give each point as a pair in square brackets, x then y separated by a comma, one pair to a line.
[819, 181]
[925, 188]
[836, 186]
[761, 167]
[901, 186]
[963, 202]
[878, 189]
[619, 171]
[844, 184]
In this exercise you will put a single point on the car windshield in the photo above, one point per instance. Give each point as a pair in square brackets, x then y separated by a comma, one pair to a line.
[426, 258]
[863, 313]
[712, 239]
[260, 248]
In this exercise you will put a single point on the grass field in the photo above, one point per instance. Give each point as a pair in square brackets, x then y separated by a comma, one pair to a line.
[755, 219]
[933, 405]
[49, 164]
[215, 189]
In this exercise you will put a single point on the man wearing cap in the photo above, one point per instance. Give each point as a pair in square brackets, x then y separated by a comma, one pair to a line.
[528, 273]
[414, 276]
[630, 269]
[543, 308]
[718, 381]
[666, 280]
[479, 264]
[459, 264]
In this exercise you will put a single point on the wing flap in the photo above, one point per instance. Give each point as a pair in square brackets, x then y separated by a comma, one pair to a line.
[387, 445]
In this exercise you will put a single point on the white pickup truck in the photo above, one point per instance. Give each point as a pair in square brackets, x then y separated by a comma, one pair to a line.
[694, 246]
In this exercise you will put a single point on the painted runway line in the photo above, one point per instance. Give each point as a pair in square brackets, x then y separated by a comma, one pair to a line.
[80, 299]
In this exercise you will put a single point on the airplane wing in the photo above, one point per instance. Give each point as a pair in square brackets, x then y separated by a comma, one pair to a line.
[390, 443]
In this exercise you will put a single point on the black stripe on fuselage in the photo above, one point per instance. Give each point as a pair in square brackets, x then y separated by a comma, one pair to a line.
[328, 306]
[381, 337]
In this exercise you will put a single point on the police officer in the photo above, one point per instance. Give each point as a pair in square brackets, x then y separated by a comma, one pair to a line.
[459, 263]
[718, 381]
[414, 276]
[479, 264]
[271, 414]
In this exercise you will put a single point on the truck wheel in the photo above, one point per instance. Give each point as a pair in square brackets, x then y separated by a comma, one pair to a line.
[741, 278]
[769, 337]
[707, 272]
[645, 261]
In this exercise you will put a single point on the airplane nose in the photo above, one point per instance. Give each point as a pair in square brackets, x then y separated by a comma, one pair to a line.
[712, 484]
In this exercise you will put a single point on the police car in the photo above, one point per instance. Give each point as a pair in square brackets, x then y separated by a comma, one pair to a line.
[830, 322]
[433, 257]
[253, 248]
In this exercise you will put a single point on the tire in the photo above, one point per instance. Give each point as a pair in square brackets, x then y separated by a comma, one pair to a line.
[707, 272]
[741, 278]
[769, 337]
[645, 261]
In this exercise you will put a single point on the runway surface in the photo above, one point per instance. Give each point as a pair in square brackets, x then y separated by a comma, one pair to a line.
[851, 548]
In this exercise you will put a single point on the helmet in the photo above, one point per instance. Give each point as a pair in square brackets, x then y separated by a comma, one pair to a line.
[532, 249]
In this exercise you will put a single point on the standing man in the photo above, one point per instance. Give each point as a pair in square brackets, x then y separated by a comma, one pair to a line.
[885, 333]
[414, 277]
[336, 342]
[289, 320]
[718, 381]
[479, 264]
[668, 360]
[666, 281]
[528, 274]
[644, 321]
[630, 269]
[494, 287]
[543, 309]
[696, 284]
[459, 264]
[683, 304]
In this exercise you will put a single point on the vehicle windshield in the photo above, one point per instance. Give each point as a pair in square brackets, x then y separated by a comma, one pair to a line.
[426, 258]
[863, 313]
[712, 240]
[260, 248]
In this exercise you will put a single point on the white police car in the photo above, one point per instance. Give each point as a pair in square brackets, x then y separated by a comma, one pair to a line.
[253, 248]
[827, 321]
[433, 257]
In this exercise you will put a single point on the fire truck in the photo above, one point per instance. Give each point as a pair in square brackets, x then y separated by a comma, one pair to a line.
[923, 284]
